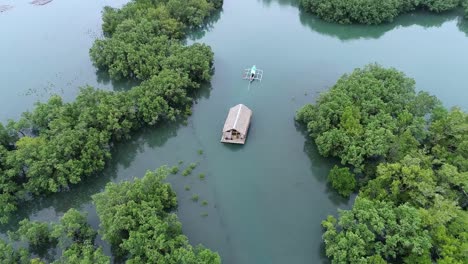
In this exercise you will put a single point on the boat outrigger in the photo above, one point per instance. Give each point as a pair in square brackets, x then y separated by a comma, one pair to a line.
[253, 74]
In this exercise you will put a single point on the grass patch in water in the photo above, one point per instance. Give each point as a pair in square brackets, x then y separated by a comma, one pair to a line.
[174, 170]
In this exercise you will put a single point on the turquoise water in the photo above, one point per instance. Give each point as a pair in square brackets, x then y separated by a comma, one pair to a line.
[44, 50]
[266, 199]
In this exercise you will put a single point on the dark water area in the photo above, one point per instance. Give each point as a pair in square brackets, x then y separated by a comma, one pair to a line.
[266, 199]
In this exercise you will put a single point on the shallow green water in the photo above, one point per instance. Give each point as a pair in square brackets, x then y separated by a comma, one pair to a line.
[265, 199]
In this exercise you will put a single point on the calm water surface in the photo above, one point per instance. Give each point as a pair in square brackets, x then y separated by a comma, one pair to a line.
[265, 199]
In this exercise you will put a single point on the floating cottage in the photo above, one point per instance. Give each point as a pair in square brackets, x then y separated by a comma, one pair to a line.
[237, 125]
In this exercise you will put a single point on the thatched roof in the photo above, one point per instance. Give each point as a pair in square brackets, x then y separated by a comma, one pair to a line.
[238, 119]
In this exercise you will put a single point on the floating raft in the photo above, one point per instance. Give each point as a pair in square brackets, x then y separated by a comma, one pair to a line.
[237, 125]
[4, 8]
[41, 2]
[258, 75]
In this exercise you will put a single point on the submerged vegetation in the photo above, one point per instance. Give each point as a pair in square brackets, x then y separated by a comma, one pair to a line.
[189, 169]
[72, 235]
[410, 155]
[136, 220]
[58, 144]
[195, 197]
[374, 11]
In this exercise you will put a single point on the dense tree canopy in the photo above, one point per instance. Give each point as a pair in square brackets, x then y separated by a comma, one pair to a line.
[9, 255]
[342, 180]
[365, 114]
[372, 11]
[375, 230]
[144, 38]
[413, 154]
[465, 7]
[136, 220]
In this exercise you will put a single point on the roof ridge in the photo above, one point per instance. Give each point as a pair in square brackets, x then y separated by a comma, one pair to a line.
[237, 116]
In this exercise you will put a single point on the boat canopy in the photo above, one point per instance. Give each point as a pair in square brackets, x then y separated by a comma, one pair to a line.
[253, 69]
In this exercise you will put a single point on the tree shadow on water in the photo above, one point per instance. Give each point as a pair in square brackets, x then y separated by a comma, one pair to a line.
[463, 25]
[294, 3]
[103, 77]
[320, 166]
[353, 32]
[420, 18]
[207, 26]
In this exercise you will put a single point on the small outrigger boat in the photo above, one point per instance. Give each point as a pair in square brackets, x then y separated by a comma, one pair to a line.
[253, 74]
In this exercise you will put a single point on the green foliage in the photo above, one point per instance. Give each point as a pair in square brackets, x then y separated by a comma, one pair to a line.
[174, 170]
[448, 227]
[83, 253]
[189, 169]
[187, 187]
[201, 176]
[375, 230]
[342, 180]
[440, 5]
[449, 137]
[200, 152]
[354, 11]
[204, 203]
[144, 38]
[465, 7]
[414, 156]
[407, 181]
[186, 172]
[173, 16]
[8, 135]
[364, 115]
[75, 236]
[9, 170]
[136, 221]
[62, 143]
[195, 197]
[73, 228]
[8, 255]
[204, 214]
[371, 11]
[34, 232]
[192, 165]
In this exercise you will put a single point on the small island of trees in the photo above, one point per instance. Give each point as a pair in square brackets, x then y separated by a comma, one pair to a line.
[375, 11]
[409, 156]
